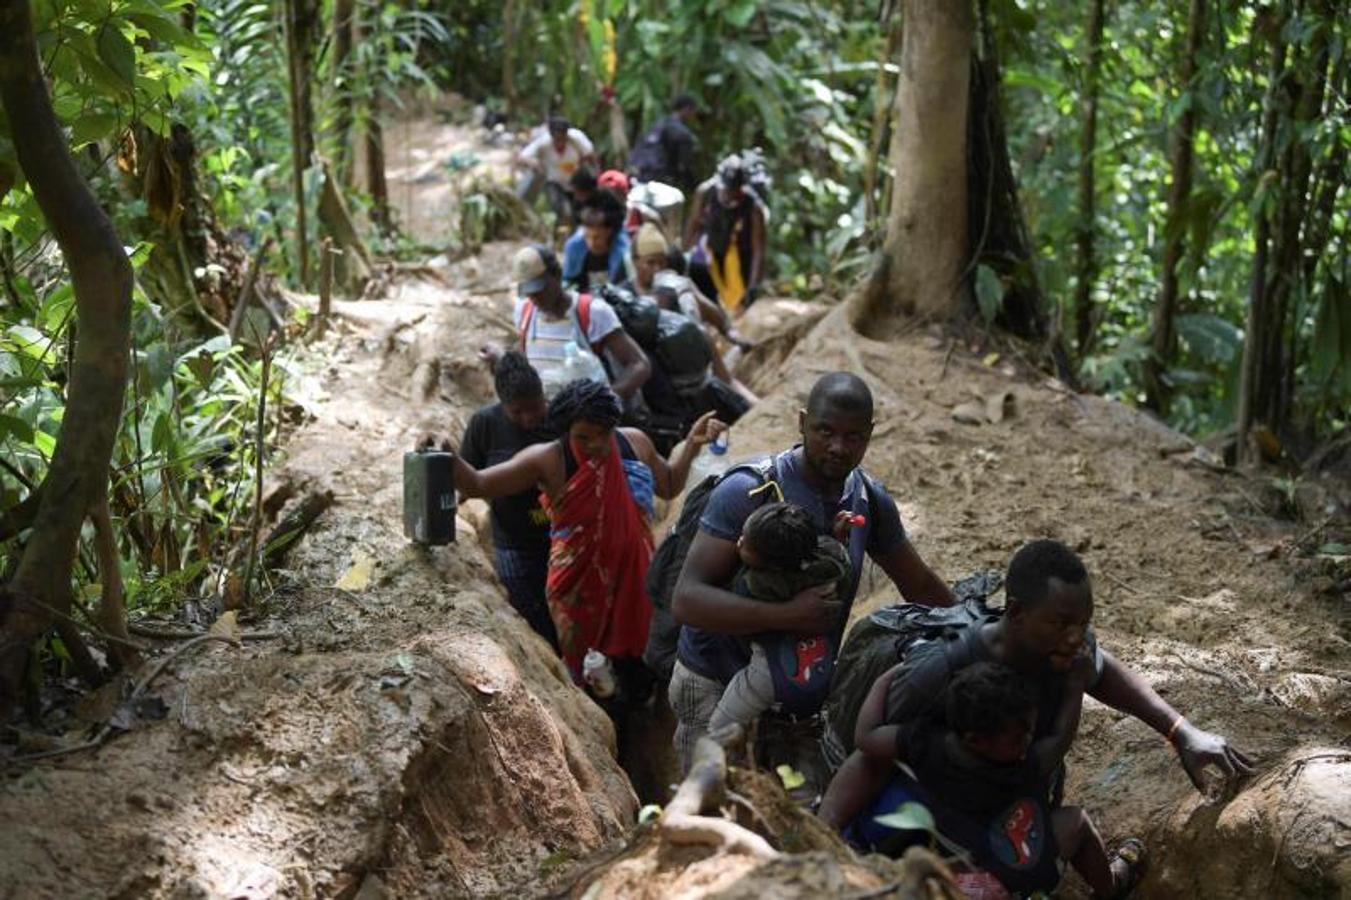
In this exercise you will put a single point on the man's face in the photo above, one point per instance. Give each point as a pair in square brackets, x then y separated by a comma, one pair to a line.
[1053, 630]
[833, 441]
[581, 195]
[648, 266]
[597, 237]
[527, 415]
[592, 439]
[550, 298]
[560, 139]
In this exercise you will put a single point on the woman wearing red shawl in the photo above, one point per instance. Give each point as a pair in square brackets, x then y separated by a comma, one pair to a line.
[596, 481]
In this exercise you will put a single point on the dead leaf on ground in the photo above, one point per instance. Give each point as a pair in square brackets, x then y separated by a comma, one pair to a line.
[227, 626]
[358, 575]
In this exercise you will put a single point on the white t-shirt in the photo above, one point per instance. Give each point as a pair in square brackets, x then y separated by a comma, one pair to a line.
[558, 167]
[546, 335]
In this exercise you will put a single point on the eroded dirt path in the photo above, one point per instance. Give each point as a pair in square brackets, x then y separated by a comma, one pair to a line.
[410, 733]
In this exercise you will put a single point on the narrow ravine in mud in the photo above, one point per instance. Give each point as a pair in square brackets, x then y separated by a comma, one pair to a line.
[410, 736]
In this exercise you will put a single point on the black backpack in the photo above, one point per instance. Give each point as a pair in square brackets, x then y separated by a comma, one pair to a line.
[648, 160]
[881, 640]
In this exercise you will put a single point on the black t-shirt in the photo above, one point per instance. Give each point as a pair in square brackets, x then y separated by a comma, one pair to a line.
[916, 691]
[595, 270]
[490, 438]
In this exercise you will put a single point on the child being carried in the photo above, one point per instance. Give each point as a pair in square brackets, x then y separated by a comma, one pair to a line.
[782, 555]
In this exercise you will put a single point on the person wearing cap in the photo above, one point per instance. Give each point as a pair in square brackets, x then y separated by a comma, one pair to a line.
[666, 152]
[654, 277]
[598, 252]
[726, 236]
[548, 317]
[551, 159]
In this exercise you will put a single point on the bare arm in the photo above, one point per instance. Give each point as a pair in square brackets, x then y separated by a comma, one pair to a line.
[634, 367]
[527, 469]
[1124, 690]
[700, 600]
[872, 735]
[757, 248]
[669, 478]
[913, 577]
[693, 223]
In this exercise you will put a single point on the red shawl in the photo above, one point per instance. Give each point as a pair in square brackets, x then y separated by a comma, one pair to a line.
[601, 545]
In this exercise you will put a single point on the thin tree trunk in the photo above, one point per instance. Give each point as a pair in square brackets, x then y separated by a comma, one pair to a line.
[1251, 386]
[510, 26]
[1157, 392]
[344, 14]
[102, 279]
[376, 183]
[881, 106]
[1087, 266]
[301, 19]
[926, 245]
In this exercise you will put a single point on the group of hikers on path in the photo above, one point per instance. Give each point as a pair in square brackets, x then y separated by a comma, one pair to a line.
[739, 616]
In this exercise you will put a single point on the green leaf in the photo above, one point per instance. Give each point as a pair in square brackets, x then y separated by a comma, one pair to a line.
[92, 127]
[13, 425]
[1334, 549]
[989, 292]
[909, 816]
[1209, 336]
[116, 52]
[739, 14]
[791, 778]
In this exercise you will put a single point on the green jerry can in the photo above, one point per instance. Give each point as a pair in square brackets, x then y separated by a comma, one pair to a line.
[429, 497]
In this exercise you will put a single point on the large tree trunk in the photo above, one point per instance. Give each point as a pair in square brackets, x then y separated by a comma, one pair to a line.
[344, 14]
[997, 231]
[920, 270]
[102, 279]
[302, 20]
[1086, 268]
[1157, 392]
[376, 184]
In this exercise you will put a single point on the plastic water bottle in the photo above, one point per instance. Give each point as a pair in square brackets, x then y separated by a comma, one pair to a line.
[712, 460]
[579, 364]
[599, 674]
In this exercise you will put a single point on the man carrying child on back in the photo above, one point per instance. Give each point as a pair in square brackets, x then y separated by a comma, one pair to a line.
[821, 476]
[989, 787]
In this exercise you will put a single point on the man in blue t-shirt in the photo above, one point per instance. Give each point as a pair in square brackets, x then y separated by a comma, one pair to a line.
[821, 475]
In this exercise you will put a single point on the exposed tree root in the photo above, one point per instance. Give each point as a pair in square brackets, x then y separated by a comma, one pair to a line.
[705, 788]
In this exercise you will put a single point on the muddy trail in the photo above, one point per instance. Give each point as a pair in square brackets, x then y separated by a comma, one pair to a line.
[406, 734]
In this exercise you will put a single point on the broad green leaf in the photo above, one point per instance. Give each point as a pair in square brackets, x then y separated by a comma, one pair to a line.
[791, 778]
[989, 292]
[740, 13]
[1210, 337]
[13, 426]
[116, 52]
[909, 816]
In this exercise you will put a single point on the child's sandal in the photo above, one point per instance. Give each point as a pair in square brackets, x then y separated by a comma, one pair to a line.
[1132, 852]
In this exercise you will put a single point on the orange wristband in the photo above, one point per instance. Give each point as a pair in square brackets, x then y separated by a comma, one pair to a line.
[1172, 731]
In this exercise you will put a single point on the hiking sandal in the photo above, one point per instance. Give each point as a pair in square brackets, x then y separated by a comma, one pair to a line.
[1131, 852]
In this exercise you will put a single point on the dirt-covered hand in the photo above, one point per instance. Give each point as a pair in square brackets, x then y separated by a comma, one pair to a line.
[705, 430]
[430, 440]
[1198, 749]
[813, 611]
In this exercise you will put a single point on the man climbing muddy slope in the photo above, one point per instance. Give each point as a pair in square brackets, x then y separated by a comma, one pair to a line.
[821, 475]
[1043, 635]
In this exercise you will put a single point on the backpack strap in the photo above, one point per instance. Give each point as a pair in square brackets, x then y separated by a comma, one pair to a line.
[527, 316]
[581, 320]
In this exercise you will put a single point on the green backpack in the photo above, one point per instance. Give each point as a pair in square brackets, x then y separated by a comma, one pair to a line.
[881, 640]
